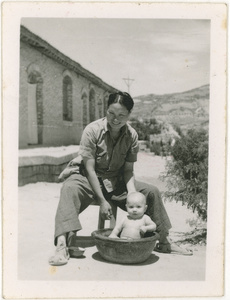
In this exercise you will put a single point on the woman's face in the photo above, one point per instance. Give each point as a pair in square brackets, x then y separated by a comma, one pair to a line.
[117, 115]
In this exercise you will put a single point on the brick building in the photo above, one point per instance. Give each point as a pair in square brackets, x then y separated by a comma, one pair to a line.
[58, 97]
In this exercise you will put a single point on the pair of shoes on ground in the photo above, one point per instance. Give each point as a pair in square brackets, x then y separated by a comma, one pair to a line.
[63, 254]
[172, 249]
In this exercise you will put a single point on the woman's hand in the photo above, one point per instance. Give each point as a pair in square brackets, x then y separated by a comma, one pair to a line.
[106, 210]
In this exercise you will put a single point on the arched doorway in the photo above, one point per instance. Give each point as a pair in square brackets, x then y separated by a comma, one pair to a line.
[35, 105]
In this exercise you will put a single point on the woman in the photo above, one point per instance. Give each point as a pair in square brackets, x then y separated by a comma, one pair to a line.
[103, 171]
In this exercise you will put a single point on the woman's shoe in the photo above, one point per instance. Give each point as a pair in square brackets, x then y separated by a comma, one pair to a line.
[172, 249]
[76, 251]
[60, 258]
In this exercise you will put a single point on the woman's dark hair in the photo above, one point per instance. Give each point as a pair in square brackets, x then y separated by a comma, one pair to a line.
[123, 98]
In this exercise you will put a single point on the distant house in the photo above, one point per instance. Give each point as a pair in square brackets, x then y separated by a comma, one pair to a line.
[181, 113]
[57, 96]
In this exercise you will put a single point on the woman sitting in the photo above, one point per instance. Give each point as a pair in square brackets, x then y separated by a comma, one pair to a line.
[103, 171]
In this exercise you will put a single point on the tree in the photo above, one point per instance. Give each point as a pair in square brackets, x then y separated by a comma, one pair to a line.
[187, 173]
[146, 127]
[141, 127]
[177, 129]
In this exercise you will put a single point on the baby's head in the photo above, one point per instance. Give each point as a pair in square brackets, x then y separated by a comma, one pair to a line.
[136, 204]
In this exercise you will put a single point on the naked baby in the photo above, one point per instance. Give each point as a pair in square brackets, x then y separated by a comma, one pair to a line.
[136, 223]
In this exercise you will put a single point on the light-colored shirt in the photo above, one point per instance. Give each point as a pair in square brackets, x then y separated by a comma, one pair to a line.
[97, 143]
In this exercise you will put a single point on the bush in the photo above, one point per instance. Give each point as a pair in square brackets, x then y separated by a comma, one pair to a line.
[177, 129]
[146, 127]
[156, 148]
[187, 173]
[140, 128]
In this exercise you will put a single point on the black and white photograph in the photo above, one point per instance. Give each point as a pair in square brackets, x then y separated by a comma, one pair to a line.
[114, 167]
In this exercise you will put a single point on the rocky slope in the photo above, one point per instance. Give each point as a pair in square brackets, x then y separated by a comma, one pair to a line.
[186, 109]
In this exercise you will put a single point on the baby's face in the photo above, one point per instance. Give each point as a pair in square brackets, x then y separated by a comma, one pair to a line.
[136, 207]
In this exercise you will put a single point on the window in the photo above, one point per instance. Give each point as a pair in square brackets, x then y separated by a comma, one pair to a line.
[106, 97]
[67, 99]
[92, 105]
[85, 109]
[100, 108]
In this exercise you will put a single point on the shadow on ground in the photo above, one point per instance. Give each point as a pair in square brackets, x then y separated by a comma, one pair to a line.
[151, 260]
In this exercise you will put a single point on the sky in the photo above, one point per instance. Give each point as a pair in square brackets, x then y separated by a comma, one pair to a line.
[159, 56]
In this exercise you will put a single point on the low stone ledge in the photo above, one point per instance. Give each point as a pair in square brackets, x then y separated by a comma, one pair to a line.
[45, 160]
[42, 173]
[36, 166]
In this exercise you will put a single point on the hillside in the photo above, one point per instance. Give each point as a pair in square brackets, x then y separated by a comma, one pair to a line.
[186, 109]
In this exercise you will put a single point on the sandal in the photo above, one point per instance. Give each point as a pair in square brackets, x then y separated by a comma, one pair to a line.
[162, 248]
[172, 249]
[60, 258]
[76, 252]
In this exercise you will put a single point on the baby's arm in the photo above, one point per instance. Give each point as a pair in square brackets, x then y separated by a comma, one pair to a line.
[117, 229]
[149, 225]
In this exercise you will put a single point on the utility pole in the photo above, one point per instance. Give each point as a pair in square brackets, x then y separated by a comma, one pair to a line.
[128, 82]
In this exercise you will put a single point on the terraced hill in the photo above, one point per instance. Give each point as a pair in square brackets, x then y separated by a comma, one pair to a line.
[186, 109]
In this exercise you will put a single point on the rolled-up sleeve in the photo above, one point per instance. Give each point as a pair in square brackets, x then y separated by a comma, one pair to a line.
[132, 153]
[88, 143]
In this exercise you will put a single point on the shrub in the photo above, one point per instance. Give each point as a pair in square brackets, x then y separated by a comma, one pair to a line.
[146, 127]
[140, 128]
[156, 148]
[187, 173]
[177, 129]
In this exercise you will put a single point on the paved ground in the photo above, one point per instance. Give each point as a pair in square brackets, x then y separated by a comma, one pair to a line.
[37, 206]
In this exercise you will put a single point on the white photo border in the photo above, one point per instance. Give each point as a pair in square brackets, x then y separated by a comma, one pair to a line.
[12, 12]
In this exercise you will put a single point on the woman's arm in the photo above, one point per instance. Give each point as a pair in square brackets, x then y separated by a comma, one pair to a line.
[105, 207]
[129, 177]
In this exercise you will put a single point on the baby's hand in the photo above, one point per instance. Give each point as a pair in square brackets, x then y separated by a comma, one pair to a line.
[113, 236]
[143, 230]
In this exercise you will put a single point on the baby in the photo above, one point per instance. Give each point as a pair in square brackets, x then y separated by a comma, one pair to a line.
[136, 223]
